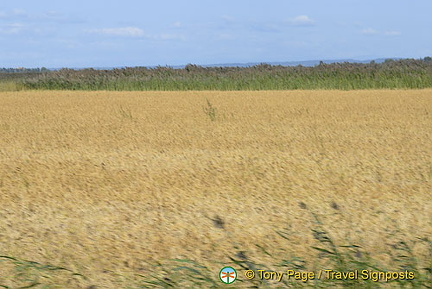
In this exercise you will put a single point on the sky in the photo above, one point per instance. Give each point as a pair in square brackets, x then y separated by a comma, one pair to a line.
[105, 33]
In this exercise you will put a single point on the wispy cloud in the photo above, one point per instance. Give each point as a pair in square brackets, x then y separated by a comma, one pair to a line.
[167, 36]
[371, 31]
[47, 17]
[20, 12]
[119, 31]
[279, 26]
[13, 28]
[177, 24]
[265, 27]
[228, 18]
[226, 36]
[14, 14]
[301, 20]
[392, 33]
[135, 32]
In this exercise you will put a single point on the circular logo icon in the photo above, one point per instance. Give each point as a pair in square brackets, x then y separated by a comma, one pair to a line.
[228, 275]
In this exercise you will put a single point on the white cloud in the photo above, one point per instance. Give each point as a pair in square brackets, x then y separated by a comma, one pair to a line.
[13, 28]
[265, 27]
[15, 14]
[31, 19]
[166, 36]
[228, 18]
[392, 33]
[120, 31]
[369, 31]
[52, 13]
[226, 36]
[136, 32]
[19, 12]
[301, 20]
[177, 24]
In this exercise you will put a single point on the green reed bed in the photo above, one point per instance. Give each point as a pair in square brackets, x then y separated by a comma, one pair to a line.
[401, 74]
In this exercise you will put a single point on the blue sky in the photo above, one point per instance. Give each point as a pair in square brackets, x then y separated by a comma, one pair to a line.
[167, 32]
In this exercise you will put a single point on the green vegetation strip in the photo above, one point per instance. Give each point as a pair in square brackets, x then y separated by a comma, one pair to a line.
[400, 74]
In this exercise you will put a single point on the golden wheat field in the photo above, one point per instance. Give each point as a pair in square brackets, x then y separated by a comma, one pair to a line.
[108, 183]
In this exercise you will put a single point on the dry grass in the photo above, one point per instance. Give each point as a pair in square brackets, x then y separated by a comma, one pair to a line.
[106, 183]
